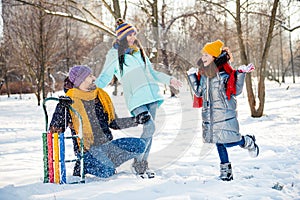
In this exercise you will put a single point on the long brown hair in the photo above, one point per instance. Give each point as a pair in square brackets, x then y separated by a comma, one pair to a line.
[122, 47]
[217, 65]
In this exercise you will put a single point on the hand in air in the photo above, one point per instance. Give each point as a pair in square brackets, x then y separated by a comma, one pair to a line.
[246, 69]
[175, 83]
[193, 70]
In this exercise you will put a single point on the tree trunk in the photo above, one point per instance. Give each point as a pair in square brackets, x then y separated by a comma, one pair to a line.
[155, 29]
[261, 85]
[116, 14]
[164, 51]
[7, 86]
[281, 68]
[117, 10]
[244, 59]
[292, 57]
[41, 75]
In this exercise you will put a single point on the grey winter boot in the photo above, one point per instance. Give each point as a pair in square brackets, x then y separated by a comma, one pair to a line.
[251, 146]
[226, 172]
[141, 169]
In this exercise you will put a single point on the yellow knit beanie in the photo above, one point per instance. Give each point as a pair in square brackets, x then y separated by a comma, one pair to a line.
[213, 48]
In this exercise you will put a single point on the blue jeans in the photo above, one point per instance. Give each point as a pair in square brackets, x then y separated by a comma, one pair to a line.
[102, 160]
[223, 151]
[148, 127]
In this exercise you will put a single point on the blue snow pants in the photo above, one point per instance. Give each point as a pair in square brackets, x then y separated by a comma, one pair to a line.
[102, 160]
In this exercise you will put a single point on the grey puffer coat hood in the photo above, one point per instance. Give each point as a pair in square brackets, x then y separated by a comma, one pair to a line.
[219, 115]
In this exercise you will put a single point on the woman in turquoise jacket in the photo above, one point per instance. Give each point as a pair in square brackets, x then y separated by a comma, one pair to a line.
[129, 63]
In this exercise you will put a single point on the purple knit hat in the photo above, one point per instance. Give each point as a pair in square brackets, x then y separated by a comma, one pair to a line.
[78, 74]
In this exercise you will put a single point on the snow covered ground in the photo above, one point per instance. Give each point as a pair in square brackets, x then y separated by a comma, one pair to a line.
[185, 167]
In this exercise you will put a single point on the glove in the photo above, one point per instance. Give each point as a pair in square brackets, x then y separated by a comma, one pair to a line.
[246, 69]
[54, 129]
[221, 59]
[65, 100]
[193, 70]
[142, 117]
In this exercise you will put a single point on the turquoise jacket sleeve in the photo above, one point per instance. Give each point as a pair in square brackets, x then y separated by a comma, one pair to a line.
[109, 69]
[159, 76]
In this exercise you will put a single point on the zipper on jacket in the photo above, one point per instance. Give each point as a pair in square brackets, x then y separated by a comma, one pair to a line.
[210, 110]
[221, 92]
[207, 93]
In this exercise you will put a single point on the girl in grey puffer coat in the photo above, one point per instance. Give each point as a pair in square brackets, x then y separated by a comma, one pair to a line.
[218, 85]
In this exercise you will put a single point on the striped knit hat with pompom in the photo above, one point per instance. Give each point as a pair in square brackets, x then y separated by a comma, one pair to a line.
[124, 29]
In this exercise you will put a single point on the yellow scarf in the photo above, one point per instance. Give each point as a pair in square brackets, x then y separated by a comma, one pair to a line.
[132, 49]
[78, 96]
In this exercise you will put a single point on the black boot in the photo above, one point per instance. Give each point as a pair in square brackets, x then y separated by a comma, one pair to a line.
[226, 172]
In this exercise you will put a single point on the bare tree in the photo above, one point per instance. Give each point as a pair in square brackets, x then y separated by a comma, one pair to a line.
[266, 44]
[150, 8]
[45, 51]
[261, 85]
[160, 38]
[115, 11]
[35, 43]
[172, 32]
[5, 45]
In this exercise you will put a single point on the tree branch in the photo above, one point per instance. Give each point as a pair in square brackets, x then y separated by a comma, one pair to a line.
[97, 24]
[278, 20]
[125, 10]
[221, 6]
[181, 16]
[109, 8]
[289, 29]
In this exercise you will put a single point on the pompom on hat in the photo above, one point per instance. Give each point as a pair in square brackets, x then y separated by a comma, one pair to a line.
[213, 48]
[124, 29]
[78, 74]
